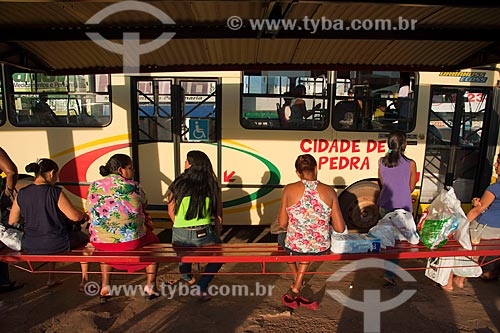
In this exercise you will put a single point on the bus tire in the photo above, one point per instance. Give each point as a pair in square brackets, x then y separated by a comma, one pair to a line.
[358, 205]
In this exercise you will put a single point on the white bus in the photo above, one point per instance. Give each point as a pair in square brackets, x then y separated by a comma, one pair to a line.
[451, 119]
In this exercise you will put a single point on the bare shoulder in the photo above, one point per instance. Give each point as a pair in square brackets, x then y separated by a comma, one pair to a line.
[326, 190]
[293, 186]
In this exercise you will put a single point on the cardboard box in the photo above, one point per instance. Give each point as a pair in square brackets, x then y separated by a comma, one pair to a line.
[354, 243]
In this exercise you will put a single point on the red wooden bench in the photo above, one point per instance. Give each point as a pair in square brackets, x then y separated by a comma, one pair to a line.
[263, 254]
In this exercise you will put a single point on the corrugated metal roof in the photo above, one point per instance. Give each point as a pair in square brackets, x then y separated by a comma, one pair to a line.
[50, 36]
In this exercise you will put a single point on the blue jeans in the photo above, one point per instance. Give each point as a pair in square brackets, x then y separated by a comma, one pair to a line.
[188, 237]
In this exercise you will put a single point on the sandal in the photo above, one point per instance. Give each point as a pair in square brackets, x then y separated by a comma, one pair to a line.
[181, 280]
[289, 301]
[311, 305]
[103, 299]
[151, 293]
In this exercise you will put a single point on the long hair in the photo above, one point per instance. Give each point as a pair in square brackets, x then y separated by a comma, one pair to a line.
[199, 182]
[396, 144]
[114, 163]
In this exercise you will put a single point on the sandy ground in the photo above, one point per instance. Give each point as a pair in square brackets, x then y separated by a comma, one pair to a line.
[34, 308]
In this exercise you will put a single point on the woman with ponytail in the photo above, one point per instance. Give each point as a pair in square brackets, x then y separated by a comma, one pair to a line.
[398, 177]
[118, 219]
[45, 211]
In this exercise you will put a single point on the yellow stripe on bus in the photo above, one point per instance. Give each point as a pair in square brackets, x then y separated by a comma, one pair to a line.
[235, 143]
[94, 143]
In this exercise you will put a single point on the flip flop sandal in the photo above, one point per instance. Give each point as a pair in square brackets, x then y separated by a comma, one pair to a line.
[178, 281]
[151, 293]
[289, 301]
[103, 299]
[304, 302]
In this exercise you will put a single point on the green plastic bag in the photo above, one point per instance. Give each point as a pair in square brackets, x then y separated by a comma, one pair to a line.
[440, 220]
[430, 233]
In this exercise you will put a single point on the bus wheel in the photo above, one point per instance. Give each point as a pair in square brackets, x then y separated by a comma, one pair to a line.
[358, 204]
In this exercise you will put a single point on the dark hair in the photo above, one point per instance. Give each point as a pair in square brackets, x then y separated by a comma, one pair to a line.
[42, 166]
[300, 88]
[114, 163]
[396, 143]
[305, 164]
[199, 182]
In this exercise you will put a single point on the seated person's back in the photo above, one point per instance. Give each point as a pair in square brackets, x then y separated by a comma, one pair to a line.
[43, 112]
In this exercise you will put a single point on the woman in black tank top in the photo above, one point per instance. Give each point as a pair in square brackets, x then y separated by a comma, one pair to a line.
[47, 214]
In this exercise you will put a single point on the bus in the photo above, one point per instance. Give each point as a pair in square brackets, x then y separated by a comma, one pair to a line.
[238, 119]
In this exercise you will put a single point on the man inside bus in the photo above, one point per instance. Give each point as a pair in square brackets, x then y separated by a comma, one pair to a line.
[403, 103]
[43, 113]
[298, 107]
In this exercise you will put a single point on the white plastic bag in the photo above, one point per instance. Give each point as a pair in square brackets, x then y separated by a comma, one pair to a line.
[385, 232]
[440, 220]
[462, 235]
[403, 221]
[11, 238]
[439, 269]
[466, 267]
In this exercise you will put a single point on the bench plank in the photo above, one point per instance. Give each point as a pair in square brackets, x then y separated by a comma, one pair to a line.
[246, 253]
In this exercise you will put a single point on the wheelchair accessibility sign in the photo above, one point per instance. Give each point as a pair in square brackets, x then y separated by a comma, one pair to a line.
[198, 129]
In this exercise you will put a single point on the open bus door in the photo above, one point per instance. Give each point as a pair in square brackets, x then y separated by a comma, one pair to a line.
[458, 152]
[172, 116]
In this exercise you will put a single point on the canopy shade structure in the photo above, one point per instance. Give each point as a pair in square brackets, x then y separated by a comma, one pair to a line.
[60, 36]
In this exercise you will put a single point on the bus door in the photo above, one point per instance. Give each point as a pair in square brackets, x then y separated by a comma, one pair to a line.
[172, 117]
[457, 153]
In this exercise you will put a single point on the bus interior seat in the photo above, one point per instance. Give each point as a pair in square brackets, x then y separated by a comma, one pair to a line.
[23, 116]
[282, 115]
[344, 114]
[72, 119]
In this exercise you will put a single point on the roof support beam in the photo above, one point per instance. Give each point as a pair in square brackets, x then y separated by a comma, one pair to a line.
[44, 34]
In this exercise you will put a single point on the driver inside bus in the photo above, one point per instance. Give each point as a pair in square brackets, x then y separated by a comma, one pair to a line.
[42, 111]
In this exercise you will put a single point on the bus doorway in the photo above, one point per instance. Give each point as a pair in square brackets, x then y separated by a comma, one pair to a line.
[172, 116]
[456, 153]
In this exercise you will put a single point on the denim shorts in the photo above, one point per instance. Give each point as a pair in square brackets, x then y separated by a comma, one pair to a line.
[190, 236]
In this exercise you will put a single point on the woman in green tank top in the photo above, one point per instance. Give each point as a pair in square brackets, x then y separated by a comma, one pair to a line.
[194, 198]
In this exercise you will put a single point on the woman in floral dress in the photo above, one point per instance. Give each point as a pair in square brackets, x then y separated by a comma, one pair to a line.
[307, 207]
[118, 219]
